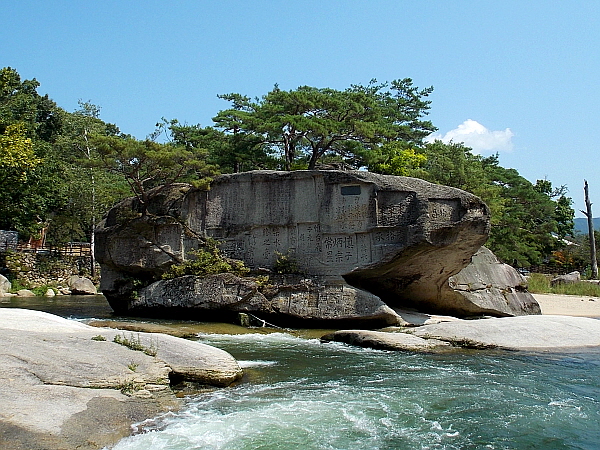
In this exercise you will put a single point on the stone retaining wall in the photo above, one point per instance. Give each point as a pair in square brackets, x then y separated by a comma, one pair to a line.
[35, 269]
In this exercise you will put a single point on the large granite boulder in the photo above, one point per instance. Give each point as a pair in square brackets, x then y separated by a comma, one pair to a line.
[488, 287]
[287, 300]
[68, 385]
[397, 238]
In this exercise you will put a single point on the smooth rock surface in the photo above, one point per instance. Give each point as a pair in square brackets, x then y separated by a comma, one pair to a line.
[546, 333]
[54, 377]
[5, 285]
[25, 293]
[568, 278]
[82, 286]
[382, 340]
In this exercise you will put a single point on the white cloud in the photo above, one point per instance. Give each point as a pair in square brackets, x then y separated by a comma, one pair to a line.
[478, 137]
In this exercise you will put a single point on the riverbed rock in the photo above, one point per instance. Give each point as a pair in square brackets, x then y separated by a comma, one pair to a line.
[287, 300]
[68, 385]
[397, 238]
[5, 285]
[82, 286]
[382, 340]
[543, 333]
[25, 293]
[551, 334]
[488, 287]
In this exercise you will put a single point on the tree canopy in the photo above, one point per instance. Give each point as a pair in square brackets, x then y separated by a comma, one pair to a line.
[304, 125]
[63, 170]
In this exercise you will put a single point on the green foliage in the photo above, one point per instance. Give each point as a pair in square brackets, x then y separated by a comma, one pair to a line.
[393, 158]
[20, 102]
[207, 260]
[526, 219]
[18, 284]
[99, 337]
[17, 157]
[135, 343]
[147, 164]
[540, 284]
[234, 152]
[285, 263]
[309, 123]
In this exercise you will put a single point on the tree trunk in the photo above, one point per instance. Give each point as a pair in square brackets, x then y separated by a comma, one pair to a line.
[590, 219]
[93, 231]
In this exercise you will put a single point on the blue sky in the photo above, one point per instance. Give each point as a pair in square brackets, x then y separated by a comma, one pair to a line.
[520, 78]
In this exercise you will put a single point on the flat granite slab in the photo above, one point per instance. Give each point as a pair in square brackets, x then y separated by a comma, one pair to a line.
[533, 333]
[545, 333]
[64, 384]
[383, 340]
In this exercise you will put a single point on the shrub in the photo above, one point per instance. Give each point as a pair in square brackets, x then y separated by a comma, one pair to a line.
[207, 260]
[286, 263]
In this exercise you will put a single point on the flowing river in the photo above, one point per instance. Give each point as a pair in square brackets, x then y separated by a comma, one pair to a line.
[300, 394]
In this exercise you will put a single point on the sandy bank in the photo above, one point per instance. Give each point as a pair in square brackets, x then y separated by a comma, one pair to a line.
[568, 305]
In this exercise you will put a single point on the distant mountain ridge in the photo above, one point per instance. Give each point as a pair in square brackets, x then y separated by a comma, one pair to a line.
[581, 224]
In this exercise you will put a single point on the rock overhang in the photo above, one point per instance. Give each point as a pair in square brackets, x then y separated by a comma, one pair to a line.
[398, 238]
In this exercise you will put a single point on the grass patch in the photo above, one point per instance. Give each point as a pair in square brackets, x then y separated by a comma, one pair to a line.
[134, 343]
[129, 387]
[540, 284]
[98, 338]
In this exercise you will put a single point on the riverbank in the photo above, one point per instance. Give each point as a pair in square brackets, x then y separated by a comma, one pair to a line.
[568, 305]
[67, 385]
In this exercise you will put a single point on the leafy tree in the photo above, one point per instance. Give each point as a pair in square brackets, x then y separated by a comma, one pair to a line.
[20, 102]
[231, 153]
[526, 218]
[147, 164]
[309, 123]
[17, 157]
[17, 165]
[527, 230]
[29, 123]
[395, 158]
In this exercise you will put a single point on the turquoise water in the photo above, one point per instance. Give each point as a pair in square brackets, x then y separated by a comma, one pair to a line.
[301, 394]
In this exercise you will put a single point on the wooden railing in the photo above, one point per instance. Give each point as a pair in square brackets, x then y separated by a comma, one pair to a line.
[70, 249]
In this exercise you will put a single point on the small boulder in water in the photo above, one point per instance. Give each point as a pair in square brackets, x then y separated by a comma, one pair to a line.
[82, 286]
[5, 285]
[383, 340]
[25, 293]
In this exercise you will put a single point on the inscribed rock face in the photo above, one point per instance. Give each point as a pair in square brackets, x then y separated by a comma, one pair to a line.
[398, 238]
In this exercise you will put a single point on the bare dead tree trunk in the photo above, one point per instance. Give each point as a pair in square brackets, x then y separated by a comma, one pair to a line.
[589, 216]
